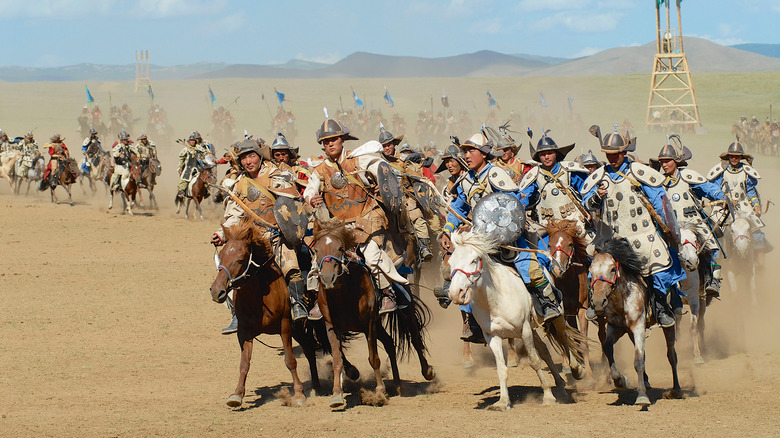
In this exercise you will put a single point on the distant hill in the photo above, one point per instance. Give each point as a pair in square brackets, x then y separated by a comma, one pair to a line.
[103, 73]
[772, 50]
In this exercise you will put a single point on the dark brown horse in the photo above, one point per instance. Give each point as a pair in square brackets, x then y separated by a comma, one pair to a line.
[197, 191]
[569, 262]
[150, 170]
[348, 301]
[262, 305]
[130, 188]
[64, 175]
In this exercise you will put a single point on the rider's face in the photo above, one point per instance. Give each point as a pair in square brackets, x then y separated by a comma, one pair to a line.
[475, 159]
[508, 154]
[548, 158]
[333, 147]
[615, 160]
[388, 149]
[734, 159]
[282, 157]
[251, 162]
[668, 165]
[452, 166]
[192, 142]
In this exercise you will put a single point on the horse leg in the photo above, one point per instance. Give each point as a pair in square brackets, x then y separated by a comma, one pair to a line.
[337, 400]
[126, 203]
[529, 340]
[582, 323]
[289, 360]
[511, 354]
[468, 360]
[389, 345]
[546, 357]
[70, 197]
[111, 202]
[373, 356]
[497, 345]
[199, 208]
[417, 342]
[611, 336]
[695, 304]
[700, 324]
[309, 351]
[638, 338]
[235, 400]
[671, 355]
[187, 209]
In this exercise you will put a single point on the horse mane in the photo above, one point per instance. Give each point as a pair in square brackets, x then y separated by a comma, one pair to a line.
[482, 244]
[620, 250]
[570, 228]
[248, 231]
[336, 228]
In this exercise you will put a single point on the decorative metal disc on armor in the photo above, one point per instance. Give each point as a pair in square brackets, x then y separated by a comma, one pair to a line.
[500, 216]
[292, 218]
[338, 181]
[252, 193]
[389, 188]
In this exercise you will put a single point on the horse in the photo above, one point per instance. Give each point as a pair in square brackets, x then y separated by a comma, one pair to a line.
[262, 305]
[742, 269]
[569, 267]
[7, 163]
[101, 167]
[196, 191]
[65, 174]
[34, 172]
[503, 308]
[694, 256]
[348, 301]
[619, 296]
[128, 187]
[148, 179]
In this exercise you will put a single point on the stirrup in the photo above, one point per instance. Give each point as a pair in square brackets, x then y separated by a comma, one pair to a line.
[388, 305]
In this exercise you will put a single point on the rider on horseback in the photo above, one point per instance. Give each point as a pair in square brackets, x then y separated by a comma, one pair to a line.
[258, 187]
[122, 152]
[59, 156]
[404, 169]
[30, 154]
[5, 144]
[285, 155]
[686, 188]
[589, 161]
[481, 179]
[92, 151]
[739, 180]
[189, 157]
[508, 161]
[341, 185]
[625, 191]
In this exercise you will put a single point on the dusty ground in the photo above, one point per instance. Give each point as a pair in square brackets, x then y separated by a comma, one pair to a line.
[107, 329]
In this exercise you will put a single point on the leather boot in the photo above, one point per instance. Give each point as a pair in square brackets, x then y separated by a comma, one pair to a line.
[388, 301]
[442, 294]
[297, 288]
[233, 326]
[662, 310]
[472, 332]
[548, 299]
[713, 283]
[425, 249]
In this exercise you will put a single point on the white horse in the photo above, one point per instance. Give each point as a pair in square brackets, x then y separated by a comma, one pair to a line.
[742, 266]
[692, 246]
[8, 160]
[502, 306]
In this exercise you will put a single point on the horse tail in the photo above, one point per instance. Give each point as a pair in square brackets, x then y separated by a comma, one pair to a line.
[403, 325]
[575, 341]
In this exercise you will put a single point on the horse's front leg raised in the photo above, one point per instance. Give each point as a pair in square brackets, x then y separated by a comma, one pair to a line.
[235, 400]
[289, 360]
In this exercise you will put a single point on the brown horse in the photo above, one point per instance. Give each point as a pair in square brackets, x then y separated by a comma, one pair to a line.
[348, 301]
[197, 191]
[64, 175]
[130, 188]
[150, 170]
[619, 296]
[262, 305]
[569, 262]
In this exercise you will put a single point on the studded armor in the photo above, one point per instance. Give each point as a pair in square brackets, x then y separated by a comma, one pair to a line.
[685, 204]
[554, 203]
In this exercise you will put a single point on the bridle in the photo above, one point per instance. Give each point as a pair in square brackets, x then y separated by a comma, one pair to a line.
[472, 276]
[607, 280]
[232, 280]
[557, 249]
[694, 244]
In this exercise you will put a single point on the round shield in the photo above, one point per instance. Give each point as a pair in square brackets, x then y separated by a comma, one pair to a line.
[500, 216]
[389, 188]
[425, 196]
[293, 219]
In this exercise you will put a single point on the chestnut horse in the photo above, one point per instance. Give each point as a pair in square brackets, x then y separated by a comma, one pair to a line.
[128, 189]
[196, 191]
[348, 302]
[262, 305]
[569, 262]
[65, 175]
[619, 296]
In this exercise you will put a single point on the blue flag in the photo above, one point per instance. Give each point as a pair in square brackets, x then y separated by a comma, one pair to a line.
[358, 102]
[151, 93]
[542, 100]
[89, 95]
[279, 97]
[388, 99]
[211, 95]
[491, 101]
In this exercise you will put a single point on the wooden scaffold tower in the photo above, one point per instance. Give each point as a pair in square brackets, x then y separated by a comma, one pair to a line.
[672, 104]
[142, 80]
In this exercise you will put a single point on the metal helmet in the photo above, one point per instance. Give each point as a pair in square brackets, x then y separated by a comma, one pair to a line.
[588, 159]
[193, 136]
[123, 135]
[29, 135]
[142, 136]
[502, 138]
[92, 131]
[481, 142]
[736, 148]
[675, 150]
[612, 143]
[386, 137]
[3, 134]
[548, 144]
[280, 142]
[331, 128]
[248, 146]
[56, 138]
[452, 152]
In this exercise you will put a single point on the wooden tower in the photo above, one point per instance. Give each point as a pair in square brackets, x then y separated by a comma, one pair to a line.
[672, 104]
[142, 80]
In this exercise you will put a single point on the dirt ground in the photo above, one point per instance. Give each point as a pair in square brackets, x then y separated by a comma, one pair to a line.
[107, 329]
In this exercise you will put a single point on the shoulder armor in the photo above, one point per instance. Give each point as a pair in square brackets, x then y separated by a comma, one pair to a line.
[529, 177]
[459, 180]
[751, 171]
[692, 176]
[593, 180]
[500, 180]
[647, 175]
[715, 171]
[573, 166]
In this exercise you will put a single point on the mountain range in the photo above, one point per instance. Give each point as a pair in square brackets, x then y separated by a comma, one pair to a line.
[704, 56]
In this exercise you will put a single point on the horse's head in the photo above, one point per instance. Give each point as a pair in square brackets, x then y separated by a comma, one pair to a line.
[741, 236]
[466, 264]
[331, 242]
[690, 247]
[613, 262]
[244, 246]
[565, 245]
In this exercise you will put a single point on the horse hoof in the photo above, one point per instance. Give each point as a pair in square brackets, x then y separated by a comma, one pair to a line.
[675, 394]
[352, 373]
[499, 406]
[642, 400]
[467, 364]
[548, 400]
[698, 360]
[300, 402]
[578, 372]
[337, 402]
[511, 364]
[234, 401]
[430, 374]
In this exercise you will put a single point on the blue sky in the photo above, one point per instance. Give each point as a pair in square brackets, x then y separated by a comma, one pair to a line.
[65, 32]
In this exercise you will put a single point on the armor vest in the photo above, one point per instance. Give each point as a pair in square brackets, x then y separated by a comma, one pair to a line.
[475, 190]
[554, 203]
[346, 200]
[258, 200]
[515, 168]
[683, 201]
[736, 180]
[628, 217]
